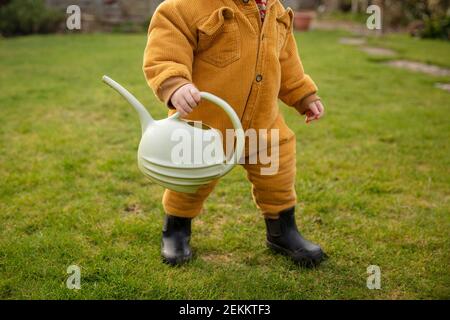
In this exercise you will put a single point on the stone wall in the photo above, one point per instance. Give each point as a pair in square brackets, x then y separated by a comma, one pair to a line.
[111, 12]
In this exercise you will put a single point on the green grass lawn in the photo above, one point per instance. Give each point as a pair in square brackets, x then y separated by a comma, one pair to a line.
[373, 181]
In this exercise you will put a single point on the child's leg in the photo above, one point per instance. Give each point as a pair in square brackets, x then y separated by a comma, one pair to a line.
[180, 208]
[275, 193]
[186, 205]
[275, 196]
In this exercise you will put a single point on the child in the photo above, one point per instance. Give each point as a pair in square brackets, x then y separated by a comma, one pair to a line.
[243, 51]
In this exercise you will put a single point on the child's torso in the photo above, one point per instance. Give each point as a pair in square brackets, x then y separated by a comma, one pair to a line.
[237, 58]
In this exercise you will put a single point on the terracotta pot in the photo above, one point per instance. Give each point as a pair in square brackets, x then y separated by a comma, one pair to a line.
[303, 19]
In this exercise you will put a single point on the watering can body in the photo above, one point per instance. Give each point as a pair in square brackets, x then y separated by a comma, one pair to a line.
[182, 155]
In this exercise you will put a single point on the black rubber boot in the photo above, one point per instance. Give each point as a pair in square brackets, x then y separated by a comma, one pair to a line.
[283, 237]
[176, 234]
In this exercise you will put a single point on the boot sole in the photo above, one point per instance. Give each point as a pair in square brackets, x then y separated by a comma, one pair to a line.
[176, 261]
[302, 260]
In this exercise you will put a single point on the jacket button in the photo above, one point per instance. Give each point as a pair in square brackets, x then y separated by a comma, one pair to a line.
[228, 14]
[259, 78]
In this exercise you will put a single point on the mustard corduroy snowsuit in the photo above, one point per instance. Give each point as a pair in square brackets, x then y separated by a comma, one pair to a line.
[223, 47]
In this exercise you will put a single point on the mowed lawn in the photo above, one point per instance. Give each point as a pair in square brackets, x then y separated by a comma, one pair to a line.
[373, 181]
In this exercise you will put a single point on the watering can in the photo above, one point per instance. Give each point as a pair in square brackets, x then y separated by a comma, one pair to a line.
[158, 158]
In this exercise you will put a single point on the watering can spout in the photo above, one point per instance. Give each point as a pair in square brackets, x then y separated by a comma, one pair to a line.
[144, 116]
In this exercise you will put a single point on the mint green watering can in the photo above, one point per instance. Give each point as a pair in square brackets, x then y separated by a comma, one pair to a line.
[183, 155]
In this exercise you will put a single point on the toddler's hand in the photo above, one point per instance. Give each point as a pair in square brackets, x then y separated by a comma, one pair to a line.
[315, 111]
[185, 98]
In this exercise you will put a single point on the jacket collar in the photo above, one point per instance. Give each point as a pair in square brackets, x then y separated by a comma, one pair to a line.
[244, 3]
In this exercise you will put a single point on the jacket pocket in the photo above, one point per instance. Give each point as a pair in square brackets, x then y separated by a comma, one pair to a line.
[219, 38]
[284, 27]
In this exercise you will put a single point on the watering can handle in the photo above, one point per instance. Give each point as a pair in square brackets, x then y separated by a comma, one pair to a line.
[240, 137]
